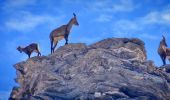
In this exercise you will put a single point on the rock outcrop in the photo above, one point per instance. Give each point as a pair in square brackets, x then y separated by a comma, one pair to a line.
[111, 69]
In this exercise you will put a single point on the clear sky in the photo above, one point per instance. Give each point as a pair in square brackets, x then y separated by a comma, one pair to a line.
[27, 21]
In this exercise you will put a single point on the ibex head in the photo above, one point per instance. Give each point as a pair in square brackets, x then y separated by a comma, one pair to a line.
[19, 49]
[75, 22]
[164, 40]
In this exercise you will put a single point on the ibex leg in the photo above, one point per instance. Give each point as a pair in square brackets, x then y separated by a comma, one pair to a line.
[39, 54]
[163, 60]
[66, 38]
[55, 44]
[51, 45]
[38, 51]
[29, 55]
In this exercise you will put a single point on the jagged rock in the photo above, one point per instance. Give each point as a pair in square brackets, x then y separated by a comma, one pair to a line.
[111, 69]
[165, 68]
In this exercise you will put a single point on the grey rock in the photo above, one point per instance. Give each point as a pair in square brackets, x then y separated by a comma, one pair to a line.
[165, 68]
[111, 69]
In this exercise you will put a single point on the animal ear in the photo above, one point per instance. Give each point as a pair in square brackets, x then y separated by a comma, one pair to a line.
[74, 14]
[163, 37]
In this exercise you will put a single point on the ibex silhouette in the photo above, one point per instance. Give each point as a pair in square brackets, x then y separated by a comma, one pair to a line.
[62, 32]
[29, 49]
[162, 50]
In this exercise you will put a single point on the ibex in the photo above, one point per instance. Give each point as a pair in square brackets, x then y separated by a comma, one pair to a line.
[162, 50]
[29, 49]
[62, 32]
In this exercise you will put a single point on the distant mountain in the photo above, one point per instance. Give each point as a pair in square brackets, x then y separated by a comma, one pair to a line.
[111, 69]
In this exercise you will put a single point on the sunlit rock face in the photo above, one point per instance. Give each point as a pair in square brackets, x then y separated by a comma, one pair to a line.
[111, 69]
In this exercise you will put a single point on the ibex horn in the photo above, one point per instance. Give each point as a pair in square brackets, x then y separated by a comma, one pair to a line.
[74, 14]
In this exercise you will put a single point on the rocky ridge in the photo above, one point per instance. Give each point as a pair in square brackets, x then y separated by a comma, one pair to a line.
[111, 69]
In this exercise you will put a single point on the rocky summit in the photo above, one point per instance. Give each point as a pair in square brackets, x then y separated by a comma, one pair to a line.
[111, 69]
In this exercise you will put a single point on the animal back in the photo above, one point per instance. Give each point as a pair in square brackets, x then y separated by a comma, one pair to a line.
[59, 31]
[32, 47]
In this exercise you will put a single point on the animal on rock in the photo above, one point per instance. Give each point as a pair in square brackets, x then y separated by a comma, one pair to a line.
[62, 32]
[162, 50]
[33, 47]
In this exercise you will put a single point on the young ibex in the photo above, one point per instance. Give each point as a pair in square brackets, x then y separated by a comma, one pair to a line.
[29, 49]
[62, 32]
[162, 50]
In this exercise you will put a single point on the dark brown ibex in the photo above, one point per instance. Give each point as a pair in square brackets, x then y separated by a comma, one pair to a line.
[162, 50]
[29, 49]
[62, 32]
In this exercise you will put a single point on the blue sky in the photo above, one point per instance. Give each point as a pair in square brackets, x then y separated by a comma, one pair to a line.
[27, 21]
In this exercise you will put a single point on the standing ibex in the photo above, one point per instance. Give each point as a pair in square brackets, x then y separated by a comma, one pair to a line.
[62, 32]
[29, 49]
[162, 50]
